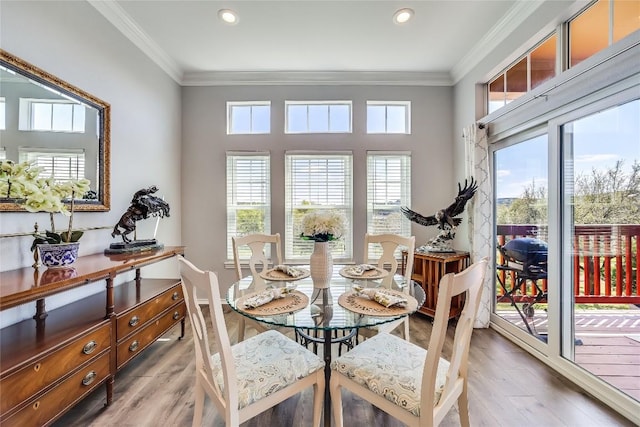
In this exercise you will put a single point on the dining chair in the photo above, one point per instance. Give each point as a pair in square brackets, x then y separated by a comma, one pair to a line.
[388, 261]
[414, 385]
[258, 262]
[252, 376]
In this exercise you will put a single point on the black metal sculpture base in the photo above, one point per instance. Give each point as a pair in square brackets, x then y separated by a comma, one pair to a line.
[134, 246]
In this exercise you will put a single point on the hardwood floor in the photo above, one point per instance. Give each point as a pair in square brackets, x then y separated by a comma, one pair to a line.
[507, 387]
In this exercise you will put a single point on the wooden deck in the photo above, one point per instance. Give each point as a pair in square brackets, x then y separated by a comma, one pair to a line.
[607, 344]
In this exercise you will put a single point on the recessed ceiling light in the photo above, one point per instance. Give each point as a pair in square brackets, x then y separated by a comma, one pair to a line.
[228, 16]
[402, 15]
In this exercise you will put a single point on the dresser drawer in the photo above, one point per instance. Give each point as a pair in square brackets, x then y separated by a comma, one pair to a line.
[133, 320]
[46, 370]
[146, 336]
[39, 411]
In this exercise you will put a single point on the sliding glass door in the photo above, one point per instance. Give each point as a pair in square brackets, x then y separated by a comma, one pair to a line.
[601, 207]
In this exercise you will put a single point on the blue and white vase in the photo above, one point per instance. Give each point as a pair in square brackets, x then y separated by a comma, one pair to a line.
[58, 255]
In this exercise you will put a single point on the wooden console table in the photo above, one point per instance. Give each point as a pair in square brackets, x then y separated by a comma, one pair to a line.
[50, 362]
[428, 269]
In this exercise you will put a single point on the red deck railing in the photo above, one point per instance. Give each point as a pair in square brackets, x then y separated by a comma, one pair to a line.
[605, 262]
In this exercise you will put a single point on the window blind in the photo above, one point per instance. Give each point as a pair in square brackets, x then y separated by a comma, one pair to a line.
[388, 188]
[59, 164]
[248, 197]
[317, 181]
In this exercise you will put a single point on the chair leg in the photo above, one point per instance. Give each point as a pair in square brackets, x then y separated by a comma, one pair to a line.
[198, 406]
[406, 329]
[463, 407]
[318, 397]
[336, 399]
[241, 327]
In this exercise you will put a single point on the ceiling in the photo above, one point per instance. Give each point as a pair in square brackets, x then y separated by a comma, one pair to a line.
[315, 41]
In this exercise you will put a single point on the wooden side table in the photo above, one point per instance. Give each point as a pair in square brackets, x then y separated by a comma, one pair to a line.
[428, 269]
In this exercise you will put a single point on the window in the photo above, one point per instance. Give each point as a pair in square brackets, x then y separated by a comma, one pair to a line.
[317, 181]
[3, 119]
[602, 24]
[52, 115]
[389, 117]
[318, 116]
[598, 26]
[534, 68]
[248, 117]
[388, 188]
[248, 196]
[59, 164]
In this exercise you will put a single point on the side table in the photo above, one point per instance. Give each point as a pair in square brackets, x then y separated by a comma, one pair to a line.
[428, 269]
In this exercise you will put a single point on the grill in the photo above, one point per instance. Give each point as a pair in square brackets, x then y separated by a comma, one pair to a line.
[526, 260]
[527, 255]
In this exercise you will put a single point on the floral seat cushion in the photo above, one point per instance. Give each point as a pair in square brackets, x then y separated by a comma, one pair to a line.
[390, 367]
[266, 363]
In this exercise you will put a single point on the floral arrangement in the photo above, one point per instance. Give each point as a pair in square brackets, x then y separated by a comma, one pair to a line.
[22, 181]
[323, 226]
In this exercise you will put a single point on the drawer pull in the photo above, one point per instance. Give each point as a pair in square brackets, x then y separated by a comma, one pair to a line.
[176, 315]
[89, 347]
[134, 321]
[36, 367]
[36, 405]
[134, 346]
[89, 378]
[175, 295]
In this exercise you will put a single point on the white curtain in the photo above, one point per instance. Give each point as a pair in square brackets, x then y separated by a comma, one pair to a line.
[480, 212]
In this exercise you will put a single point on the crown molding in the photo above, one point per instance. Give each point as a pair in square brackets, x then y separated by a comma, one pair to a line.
[130, 29]
[249, 78]
[510, 22]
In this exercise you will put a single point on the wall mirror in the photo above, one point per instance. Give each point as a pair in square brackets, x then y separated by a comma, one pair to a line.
[59, 126]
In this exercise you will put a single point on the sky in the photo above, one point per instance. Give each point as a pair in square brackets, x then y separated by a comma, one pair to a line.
[599, 140]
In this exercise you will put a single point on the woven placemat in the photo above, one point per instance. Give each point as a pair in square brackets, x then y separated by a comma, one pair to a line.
[363, 305]
[293, 301]
[375, 273]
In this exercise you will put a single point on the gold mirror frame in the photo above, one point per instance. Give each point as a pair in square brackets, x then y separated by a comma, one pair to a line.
[30, 71]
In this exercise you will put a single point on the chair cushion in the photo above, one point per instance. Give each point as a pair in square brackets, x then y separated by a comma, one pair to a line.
[391, 367]
[266, 363]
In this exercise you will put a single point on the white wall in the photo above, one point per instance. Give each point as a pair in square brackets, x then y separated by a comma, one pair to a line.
[205, 142]
[71, 40]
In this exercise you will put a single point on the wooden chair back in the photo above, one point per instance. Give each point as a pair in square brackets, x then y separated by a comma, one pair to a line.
[258, 260]
[470, 282]
[388, 260]
[197, 283]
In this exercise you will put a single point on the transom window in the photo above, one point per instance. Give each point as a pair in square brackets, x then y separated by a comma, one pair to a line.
[531, 70]
[248, 196]
[598, 26]
[317, 116]
[248, 117]
[317, 182]
[389, 117]
[51, 115]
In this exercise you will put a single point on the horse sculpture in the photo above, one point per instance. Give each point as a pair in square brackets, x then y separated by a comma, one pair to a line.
[143, 205]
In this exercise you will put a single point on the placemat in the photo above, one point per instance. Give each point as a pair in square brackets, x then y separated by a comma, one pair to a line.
[293, 301]
[363, 305]
[277, 275]
[376, 273]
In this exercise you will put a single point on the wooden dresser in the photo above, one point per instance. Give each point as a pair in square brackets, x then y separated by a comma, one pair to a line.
[428, 269]
[50, 362]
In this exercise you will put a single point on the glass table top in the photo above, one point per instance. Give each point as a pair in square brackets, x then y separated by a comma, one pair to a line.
[323, 311]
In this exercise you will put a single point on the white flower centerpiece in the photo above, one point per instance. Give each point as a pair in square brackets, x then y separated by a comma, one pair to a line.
[23, 183]
[322, 228]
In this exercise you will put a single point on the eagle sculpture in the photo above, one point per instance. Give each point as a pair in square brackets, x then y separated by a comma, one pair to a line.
[445, 219]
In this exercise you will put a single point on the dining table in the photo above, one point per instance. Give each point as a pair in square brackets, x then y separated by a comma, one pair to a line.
[327, 315]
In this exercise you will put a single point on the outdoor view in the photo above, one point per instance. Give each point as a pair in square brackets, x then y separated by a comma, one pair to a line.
[601, 198]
